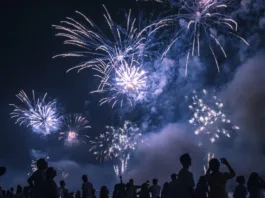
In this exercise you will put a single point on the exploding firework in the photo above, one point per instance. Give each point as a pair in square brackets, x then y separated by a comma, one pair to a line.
[98, 47]
[43, 117]
[208, 116]
[74, 124]
[198, 19]
[117, 143]
[126, 85]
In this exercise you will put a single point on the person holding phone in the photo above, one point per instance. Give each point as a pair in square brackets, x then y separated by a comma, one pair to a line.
[217, 180]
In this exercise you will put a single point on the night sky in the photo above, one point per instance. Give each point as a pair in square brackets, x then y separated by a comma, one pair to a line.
[28, 44]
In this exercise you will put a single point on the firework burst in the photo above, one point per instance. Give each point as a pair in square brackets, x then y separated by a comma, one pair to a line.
[74, 124]
[43, 117]
[198, 19]
[208, 116]
[117, 143]
[126, 85]
[97, 47]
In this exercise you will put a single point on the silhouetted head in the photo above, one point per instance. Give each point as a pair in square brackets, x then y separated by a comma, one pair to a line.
[165, 185]
[42, 164]
[214, 165]
[185, 160]
[131, 181]
[202, 180]
[11, 189]
[241, 180]
[174, 176]
[50, 173]
[155, 181]
[62, 183]
[253, 179]
[19, 188]
[84, 178]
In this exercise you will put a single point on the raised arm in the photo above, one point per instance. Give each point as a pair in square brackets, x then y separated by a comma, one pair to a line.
[231, 170]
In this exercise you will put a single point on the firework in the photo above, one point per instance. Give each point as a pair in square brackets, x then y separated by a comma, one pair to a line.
[43, 117]
[127, 84]
[209, 157]
[198, 19]
[117, 143]
[208, 116]
[97, 47]
[74, 124]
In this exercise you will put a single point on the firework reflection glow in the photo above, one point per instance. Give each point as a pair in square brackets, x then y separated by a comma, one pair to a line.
[74, 129]
[117, 143]
[43, 117]
[208, 116]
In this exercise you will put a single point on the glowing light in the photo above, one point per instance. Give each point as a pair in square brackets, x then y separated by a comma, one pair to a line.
[43, 117]
[74, 129]
[201, 18]
[126, 85]
[117, 143]
[208, 116]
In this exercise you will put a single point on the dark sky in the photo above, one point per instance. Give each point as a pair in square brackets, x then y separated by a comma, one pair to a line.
[28, 43]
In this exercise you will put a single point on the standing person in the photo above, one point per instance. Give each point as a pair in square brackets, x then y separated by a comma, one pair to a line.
[155, 189]
[104, 192]
[185, 178]
[241, 190]
[144, 192]
[62, 190]
[131, 189]
[256, 186]
[201, 190]
[51, 189]
[119, 190]
[19, 192]
[37, 179]
[165, 193]
[217, 180]
[87, 188]
[173, 186]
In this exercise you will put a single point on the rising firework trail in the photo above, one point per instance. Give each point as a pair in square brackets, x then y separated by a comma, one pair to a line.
[208, 117]
[125, 86]
[200, 20]
[117, 143]
[74, 125]
[43, 117]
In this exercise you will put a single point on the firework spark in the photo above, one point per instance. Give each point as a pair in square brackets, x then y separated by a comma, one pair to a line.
[208, 116]
[98, 47]
[127, 84]
[117, 143]
[74, 124]
[43, 117]
[200, 19]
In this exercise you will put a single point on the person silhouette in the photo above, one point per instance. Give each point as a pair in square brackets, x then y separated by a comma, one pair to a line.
[201, 190]
[155, 189]
[37, 179]
[104, 192]
[78, 194]
[131, 189]
[165, 190]
[62, 190]
[19, 192]
[51, 189]
[144, 192]
[185, 178]
[217, 180]
[240, 190]
[256, 186]
[173, 186]
[87, 188]
[119, 189]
